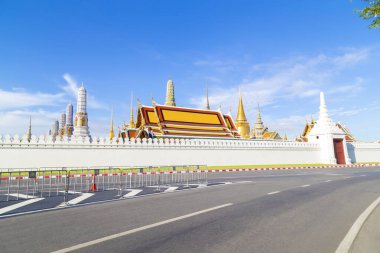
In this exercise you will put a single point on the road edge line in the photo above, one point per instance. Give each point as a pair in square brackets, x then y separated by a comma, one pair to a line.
[351, 235]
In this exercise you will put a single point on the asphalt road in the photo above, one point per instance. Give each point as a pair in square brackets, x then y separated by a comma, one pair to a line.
[274, 211]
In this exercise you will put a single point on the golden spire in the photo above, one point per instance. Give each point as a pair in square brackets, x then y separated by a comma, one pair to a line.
[207, 101]
[170, 100]
[112, 133]
[285, 137]
[132, 118]
[241, 120]
[241, 114]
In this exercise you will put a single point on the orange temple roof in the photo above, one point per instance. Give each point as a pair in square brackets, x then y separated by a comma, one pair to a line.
[180, 121]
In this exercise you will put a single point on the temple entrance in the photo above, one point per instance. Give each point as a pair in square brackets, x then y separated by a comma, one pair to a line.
[339, 151]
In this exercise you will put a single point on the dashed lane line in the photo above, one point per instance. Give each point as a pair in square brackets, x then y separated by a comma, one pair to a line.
[275, 192]
[328, 180]
[345, 245]
[18, 205]
[135, 230]
[305, 185]
[77, 200]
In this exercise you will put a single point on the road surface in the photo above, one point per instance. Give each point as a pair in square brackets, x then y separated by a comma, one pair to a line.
[271, 211]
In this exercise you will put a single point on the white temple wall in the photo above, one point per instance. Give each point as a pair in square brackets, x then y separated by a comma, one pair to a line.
[14, 154]
[361, 152]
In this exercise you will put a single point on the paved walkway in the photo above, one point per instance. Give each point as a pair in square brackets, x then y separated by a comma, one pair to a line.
[368, 239]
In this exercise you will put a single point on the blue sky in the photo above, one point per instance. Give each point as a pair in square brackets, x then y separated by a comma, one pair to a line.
[278, 53]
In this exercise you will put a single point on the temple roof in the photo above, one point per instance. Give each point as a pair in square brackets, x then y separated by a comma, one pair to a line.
[181, 121]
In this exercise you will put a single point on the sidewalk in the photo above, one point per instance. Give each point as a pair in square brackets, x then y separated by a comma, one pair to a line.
[368, 239]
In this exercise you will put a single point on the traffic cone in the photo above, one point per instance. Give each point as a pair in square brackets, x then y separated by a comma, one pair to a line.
[93, 184]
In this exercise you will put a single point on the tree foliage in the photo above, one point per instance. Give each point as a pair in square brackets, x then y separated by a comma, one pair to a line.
[371, 12]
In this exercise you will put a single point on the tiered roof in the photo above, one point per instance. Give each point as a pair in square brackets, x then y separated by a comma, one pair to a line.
[180, 121]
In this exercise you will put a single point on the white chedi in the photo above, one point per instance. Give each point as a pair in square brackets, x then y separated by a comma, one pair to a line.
[81, 129]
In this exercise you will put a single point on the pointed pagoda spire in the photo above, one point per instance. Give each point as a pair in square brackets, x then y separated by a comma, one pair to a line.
[207, 100]
[112, 133]
[285, 137]
[170, 100]
[241, 120]
[241, 114]
[258, 129]
[132, 118]
[258, 119]
[29, 131]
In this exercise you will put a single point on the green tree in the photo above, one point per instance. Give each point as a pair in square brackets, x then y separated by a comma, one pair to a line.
[371, 12]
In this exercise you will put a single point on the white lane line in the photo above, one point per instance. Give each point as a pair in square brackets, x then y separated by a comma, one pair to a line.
[77, 200]
[305, 185]
[18, 205]
[328, 180]
[22, 196]
[171, 189]
[132, 193]
[275, 192]
[346, 243]
[135, 230]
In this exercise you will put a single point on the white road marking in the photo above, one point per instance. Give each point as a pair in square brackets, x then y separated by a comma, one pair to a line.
[18, 205]
[22, 196]
[228, 183]
[328, 180]
[77, 200]
[135, 230]
[346, 243]
[132, 193]
[171, 189]
[71, 192]
[305, 185]
[270, 193]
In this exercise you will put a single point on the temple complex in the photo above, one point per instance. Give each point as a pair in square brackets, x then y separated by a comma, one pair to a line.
[170, 120]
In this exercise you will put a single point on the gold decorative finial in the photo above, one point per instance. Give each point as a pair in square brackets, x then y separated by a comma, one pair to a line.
[285, 137]
[241, 114]
[132, 118]
[170, 100]
[112, 133]
[241, 120]
[153, 102]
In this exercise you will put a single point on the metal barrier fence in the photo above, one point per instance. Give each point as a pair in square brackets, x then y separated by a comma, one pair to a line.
[18, 184]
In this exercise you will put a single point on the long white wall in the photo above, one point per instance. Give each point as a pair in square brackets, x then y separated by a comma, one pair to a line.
[361, 152]
[16, 152]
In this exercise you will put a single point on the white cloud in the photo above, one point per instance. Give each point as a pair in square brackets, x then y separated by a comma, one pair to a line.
[20, 98]
[295, 79]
